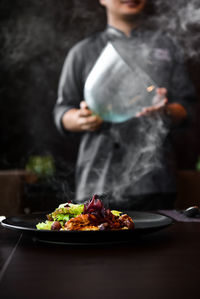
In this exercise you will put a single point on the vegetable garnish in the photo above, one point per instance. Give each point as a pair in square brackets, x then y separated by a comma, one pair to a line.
[89, 216]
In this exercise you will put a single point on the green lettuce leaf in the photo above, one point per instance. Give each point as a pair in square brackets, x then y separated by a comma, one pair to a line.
[62, 217]
[116, 213]
[72, 211]
[44, 225]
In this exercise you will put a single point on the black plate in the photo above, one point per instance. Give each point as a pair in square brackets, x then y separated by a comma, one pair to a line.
[144, 223]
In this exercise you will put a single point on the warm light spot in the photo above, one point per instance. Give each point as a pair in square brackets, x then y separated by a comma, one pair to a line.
[150, 88]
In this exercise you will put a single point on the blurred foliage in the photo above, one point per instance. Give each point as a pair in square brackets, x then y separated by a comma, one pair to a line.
[198, 165]
[42, 166]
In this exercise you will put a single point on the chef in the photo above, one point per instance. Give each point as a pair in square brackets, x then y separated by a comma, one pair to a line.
[128, 163]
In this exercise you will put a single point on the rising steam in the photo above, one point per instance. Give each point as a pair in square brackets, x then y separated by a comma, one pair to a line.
[181, 20]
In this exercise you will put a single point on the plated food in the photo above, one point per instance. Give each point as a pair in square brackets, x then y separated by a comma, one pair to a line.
[90, 216]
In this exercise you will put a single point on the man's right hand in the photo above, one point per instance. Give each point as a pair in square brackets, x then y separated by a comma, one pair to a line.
[83, 119]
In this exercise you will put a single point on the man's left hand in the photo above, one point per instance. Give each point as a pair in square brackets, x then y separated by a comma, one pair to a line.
[159, 104]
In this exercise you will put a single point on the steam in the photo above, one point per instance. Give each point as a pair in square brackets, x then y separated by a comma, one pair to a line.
[181, 20]
[143, 155]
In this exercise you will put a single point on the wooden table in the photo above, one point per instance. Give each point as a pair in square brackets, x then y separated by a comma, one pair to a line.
[165, 264]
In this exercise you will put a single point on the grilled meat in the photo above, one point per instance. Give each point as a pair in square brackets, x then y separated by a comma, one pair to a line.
[91, 222]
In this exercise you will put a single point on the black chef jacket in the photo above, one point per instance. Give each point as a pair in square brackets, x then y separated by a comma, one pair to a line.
[134, 157]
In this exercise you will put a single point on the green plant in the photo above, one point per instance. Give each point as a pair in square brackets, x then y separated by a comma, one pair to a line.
[42, 166]
[198, 164]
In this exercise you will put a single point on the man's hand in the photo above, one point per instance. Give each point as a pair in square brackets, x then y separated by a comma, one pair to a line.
[83, 119]
[175, 111]
[159, 104]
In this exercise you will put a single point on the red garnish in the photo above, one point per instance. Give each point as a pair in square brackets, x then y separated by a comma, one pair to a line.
[98, 213]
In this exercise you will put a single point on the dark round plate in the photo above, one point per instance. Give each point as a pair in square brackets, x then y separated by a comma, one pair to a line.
[144, 223]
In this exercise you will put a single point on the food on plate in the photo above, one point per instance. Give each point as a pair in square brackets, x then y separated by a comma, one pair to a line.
[91, 216]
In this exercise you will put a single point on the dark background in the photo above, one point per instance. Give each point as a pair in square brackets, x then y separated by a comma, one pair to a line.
[35, 37]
